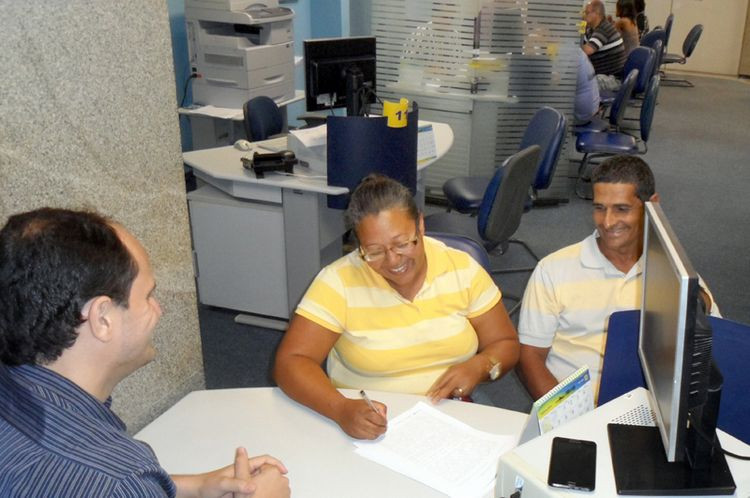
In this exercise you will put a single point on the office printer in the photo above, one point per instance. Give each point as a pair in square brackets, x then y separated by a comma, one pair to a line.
[241, 49]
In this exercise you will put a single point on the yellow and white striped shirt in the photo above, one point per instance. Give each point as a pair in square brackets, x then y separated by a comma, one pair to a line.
[387, 342]
[567, 304]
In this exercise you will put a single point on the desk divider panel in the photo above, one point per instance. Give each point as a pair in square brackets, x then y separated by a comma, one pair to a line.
[358, 146]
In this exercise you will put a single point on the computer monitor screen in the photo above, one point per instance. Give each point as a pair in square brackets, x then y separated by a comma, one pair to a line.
[340, 72]
[681, 455]
[667, 334]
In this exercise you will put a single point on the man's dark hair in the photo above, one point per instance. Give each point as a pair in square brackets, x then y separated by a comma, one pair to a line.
[53, 261]
[640, 6]
[376, 193]
[626, 169]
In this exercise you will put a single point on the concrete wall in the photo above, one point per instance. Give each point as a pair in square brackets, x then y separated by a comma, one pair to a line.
[88, 119]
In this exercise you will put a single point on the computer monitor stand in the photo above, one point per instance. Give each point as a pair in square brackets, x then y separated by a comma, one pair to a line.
[641, 467]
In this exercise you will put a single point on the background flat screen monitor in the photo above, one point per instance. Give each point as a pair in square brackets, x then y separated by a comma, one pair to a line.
[681, 456]
[329, 63]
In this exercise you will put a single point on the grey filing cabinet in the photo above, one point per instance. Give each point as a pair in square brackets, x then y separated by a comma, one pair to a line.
[236, 242]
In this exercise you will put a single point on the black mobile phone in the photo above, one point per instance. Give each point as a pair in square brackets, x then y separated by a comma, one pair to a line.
[572, 464]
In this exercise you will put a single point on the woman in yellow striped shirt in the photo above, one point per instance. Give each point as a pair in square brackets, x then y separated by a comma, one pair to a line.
[403, 313]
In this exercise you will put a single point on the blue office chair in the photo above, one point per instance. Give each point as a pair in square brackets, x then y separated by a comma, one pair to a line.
[621, 369]
[263, 118]
[616, 111]
[644, 60]
[594, 143]
[547, 130]
[499, 213]
[465, 244]
[668, 30]
[500, 210]
[691, 40]
[476, 251]
[652, 36]
[658, 48]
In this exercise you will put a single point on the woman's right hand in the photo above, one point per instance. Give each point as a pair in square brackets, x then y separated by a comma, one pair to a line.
[357, 419]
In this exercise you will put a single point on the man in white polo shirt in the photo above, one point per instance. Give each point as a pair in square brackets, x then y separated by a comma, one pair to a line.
[573, 291]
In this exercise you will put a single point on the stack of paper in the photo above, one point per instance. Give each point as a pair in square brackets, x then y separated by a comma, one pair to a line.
[215, 112]
[434, 448]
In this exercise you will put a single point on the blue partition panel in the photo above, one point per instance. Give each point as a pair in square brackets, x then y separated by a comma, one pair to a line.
[358, 146]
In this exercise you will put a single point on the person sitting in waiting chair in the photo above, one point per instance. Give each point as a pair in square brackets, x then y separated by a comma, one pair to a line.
[626, 24]
[402, 313]
[604, 46]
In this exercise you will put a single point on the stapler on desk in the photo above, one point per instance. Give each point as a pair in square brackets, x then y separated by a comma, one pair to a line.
[274, 161]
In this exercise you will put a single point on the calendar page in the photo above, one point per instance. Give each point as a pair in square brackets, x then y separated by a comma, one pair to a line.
[572, 397]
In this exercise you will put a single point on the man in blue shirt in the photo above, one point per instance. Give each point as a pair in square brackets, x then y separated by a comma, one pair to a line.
[77, 315]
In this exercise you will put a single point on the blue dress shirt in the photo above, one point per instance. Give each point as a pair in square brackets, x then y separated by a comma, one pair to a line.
[57, 440]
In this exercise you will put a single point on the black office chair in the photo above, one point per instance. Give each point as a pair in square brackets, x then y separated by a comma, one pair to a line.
[263, 118]
[691, 40]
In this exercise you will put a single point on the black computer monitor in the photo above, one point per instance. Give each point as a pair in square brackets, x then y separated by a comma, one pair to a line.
[340, 72]
[681, 455]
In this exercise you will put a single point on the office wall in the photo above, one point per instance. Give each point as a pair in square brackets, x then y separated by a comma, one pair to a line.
[718, 50]
[88, 119]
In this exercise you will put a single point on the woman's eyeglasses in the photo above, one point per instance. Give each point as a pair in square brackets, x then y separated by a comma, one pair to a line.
[377, 253]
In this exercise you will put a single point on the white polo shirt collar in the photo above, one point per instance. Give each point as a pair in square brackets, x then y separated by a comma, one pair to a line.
[592, 257]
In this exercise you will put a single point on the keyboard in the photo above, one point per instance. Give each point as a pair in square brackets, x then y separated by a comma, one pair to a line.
[274, 144]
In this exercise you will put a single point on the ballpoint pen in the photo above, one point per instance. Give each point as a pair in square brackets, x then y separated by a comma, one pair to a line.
[367, 400]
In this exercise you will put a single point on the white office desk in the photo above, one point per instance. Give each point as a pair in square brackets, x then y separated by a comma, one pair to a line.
[258, 243]
[202, 430]
[531, 460]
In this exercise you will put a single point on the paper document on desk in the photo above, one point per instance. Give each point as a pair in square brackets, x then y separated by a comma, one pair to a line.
[216, 112]
[311, 137]
[437, 450]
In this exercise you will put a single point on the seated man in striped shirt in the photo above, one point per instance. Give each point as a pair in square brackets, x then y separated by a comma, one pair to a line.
[77, 316]
[403, 313]
[604, 46]
[572, 292]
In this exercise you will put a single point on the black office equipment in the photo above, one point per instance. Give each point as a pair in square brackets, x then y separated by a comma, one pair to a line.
[572, 464]
[340, 72]
[274, 161]
[358, 146]
[682, 456]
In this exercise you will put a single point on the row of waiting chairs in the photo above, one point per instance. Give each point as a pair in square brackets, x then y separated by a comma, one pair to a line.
[601, 137]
